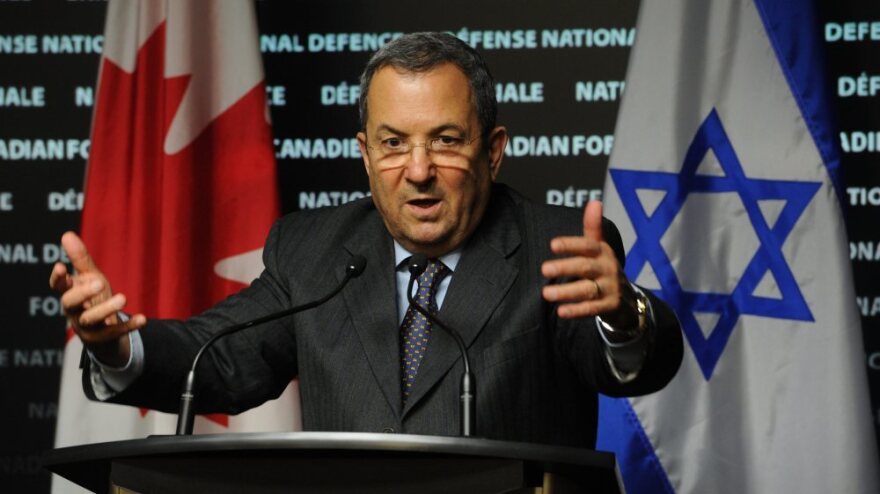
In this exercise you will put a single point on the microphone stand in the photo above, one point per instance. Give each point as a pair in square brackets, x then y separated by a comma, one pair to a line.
[467, 395]
[187, 411]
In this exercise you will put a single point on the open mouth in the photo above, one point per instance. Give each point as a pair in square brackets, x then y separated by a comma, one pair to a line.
[423, 203]
[425, 209]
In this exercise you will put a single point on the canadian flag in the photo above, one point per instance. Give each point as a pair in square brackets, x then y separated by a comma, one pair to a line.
[180, 189]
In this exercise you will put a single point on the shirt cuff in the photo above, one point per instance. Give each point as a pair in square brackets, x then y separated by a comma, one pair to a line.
[108, 381]
[625, 359]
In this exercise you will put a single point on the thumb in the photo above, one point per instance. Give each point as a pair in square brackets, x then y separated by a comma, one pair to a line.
[593, 221]
[77, 253]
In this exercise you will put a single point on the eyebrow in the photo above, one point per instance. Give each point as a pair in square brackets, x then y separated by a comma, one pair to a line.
[390, 129]
[436, 130]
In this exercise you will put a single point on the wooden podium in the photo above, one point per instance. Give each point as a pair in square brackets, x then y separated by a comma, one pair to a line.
[332, 462]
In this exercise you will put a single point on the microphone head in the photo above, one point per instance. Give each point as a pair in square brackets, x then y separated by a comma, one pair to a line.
[417, 264]
[356, 265]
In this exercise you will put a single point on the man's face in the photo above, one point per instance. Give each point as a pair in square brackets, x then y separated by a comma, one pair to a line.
[430, 200]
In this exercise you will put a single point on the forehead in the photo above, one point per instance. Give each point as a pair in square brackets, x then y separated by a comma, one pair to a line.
[420, 100]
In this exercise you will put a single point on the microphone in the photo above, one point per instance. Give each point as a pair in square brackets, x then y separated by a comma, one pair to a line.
[467, 396]
[185, 418]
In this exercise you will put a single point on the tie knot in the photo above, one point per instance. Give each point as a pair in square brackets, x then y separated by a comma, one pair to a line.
[433, 274]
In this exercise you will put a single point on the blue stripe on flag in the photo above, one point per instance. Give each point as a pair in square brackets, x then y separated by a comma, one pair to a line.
[795, 34]
[620, 432]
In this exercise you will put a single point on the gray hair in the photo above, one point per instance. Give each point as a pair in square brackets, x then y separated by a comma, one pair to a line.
[420, 52]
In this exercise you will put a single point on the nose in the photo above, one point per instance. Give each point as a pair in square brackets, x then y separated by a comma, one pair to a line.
[420, 168]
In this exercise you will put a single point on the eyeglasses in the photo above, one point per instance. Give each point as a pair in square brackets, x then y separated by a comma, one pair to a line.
[444, 149]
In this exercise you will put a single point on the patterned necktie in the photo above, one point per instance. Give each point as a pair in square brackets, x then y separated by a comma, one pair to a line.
[415, 331]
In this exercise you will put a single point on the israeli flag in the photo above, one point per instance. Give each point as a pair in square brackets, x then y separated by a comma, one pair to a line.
[724, 182]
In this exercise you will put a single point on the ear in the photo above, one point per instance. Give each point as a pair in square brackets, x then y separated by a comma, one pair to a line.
[362, 144]
[497, 144]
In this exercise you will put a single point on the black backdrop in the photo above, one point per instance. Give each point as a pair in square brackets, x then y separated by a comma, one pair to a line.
[561, 67]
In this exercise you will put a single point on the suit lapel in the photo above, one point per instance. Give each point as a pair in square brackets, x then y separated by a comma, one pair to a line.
[371, 300]
[480, 281]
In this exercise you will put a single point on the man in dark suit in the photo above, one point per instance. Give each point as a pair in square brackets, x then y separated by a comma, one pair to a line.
[538, 293]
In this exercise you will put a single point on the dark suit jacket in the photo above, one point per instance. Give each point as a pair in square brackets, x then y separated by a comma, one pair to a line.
[537, 376]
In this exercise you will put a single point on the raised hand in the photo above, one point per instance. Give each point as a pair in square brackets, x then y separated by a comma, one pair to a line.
[91, 307]
[597, 281]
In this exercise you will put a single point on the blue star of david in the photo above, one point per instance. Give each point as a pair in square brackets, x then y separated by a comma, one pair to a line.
[742, 300]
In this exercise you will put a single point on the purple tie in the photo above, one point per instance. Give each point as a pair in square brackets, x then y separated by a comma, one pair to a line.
[415, 331]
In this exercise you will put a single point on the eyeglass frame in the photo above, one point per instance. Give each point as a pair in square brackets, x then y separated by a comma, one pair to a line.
[428, 145]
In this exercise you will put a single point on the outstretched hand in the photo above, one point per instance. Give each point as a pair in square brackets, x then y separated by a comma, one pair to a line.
[91, 307]
[598, 282]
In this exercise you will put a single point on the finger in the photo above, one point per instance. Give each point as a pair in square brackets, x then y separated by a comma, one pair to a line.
[77, 253]
[75, 298]
[593, 221]
[59, 279]
[575, 291]
[104, 311]
[575, 246]
[578, 266]
[583, 309]
[113, 332]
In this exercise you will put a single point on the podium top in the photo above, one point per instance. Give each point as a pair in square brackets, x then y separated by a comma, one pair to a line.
[89, 465]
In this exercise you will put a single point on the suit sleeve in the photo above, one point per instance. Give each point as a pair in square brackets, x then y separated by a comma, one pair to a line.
[240, 371]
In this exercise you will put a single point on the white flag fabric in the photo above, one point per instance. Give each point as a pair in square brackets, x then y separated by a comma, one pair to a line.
[181, 189]
[723, 180]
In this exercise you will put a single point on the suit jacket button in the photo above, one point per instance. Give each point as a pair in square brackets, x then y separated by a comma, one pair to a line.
[389, 430]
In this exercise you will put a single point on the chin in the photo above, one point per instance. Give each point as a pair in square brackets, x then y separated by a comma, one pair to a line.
[428, 239]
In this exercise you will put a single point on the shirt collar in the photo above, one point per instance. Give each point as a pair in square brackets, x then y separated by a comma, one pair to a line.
[401, 255]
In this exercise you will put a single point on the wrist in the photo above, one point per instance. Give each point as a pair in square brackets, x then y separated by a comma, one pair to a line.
[114, 354]
[629, 321]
